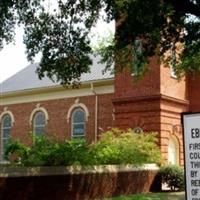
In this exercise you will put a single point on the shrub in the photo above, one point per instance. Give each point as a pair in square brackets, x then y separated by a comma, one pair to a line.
[119, 147]
[173, 176]
[114, 147]
[15, 151]
[49, 152]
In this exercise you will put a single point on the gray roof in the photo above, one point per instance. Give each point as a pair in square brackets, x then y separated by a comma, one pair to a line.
[28, 79]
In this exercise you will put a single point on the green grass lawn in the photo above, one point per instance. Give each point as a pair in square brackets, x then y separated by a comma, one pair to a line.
[152, 196]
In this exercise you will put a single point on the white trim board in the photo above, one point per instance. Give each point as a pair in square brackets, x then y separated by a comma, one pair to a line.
[52, 95]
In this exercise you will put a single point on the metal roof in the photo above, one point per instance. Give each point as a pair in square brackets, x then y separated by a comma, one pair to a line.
[28, 79]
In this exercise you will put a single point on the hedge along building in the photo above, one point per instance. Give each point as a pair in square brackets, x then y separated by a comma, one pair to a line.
[153, 103]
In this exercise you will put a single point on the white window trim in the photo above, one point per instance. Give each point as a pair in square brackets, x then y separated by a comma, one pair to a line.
[172, 64]
[72, 124]
[40, 109]
[78, 105]
[177, 148]
[2, 128]
[38, 126]
[172, 72]
[8, 113]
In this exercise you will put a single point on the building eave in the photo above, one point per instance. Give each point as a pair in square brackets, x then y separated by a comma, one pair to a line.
[104, 86]
[56, 88]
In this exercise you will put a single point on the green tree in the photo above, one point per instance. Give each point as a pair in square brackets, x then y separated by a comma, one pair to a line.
[61, 34]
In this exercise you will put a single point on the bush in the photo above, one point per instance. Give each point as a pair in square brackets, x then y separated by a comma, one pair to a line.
[119, 147]
[173, 176]
[114, 147]
[48, 152]
[15, 151]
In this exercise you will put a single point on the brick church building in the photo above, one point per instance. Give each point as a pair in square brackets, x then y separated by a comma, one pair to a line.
[153, 103]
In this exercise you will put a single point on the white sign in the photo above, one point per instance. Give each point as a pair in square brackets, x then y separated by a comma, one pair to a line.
[191, 126]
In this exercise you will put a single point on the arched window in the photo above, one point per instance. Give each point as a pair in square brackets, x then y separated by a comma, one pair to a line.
[78, 123]
[39, 123]
[173, 64]
[173, 151]
[137, 52]
[6, 124]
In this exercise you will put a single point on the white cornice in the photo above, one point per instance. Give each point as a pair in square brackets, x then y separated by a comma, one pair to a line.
[56, 92]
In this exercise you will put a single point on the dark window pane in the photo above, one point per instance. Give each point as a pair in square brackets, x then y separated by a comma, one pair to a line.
[78, 130]
[39, 123]
[78, 122]
[39, 131]
[6, 121]
[6, 132]
[78, 116]
[4, 142]
[39, 119]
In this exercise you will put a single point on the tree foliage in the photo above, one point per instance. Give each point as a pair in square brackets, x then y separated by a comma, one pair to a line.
[61, 33]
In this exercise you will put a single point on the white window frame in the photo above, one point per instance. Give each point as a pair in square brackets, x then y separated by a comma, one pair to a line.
[33, 113]
[173, 64]
[73, 123]
[173, 141]
[39, 126]
[2, 132]
[136, 50]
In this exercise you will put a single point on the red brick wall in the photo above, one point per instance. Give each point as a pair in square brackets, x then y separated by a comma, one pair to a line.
[171, 125]
[172, 87]
[126, 86]
[194, 94]
[83, 186]
[57, 111]
[154, 103]
[133, 112]
[176, 102]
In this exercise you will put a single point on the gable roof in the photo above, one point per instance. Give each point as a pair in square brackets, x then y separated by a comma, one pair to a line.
[27, 78]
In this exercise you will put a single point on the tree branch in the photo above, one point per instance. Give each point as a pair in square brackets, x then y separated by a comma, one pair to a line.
[186, 6]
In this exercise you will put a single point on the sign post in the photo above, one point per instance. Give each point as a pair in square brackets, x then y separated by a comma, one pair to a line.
[191, 129]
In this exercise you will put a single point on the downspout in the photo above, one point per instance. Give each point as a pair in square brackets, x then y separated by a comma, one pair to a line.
[96, 111]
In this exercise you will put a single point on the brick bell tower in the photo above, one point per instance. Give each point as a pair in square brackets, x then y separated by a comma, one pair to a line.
[153, 103]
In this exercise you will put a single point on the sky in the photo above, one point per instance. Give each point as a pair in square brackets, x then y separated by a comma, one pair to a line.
[13, 57]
